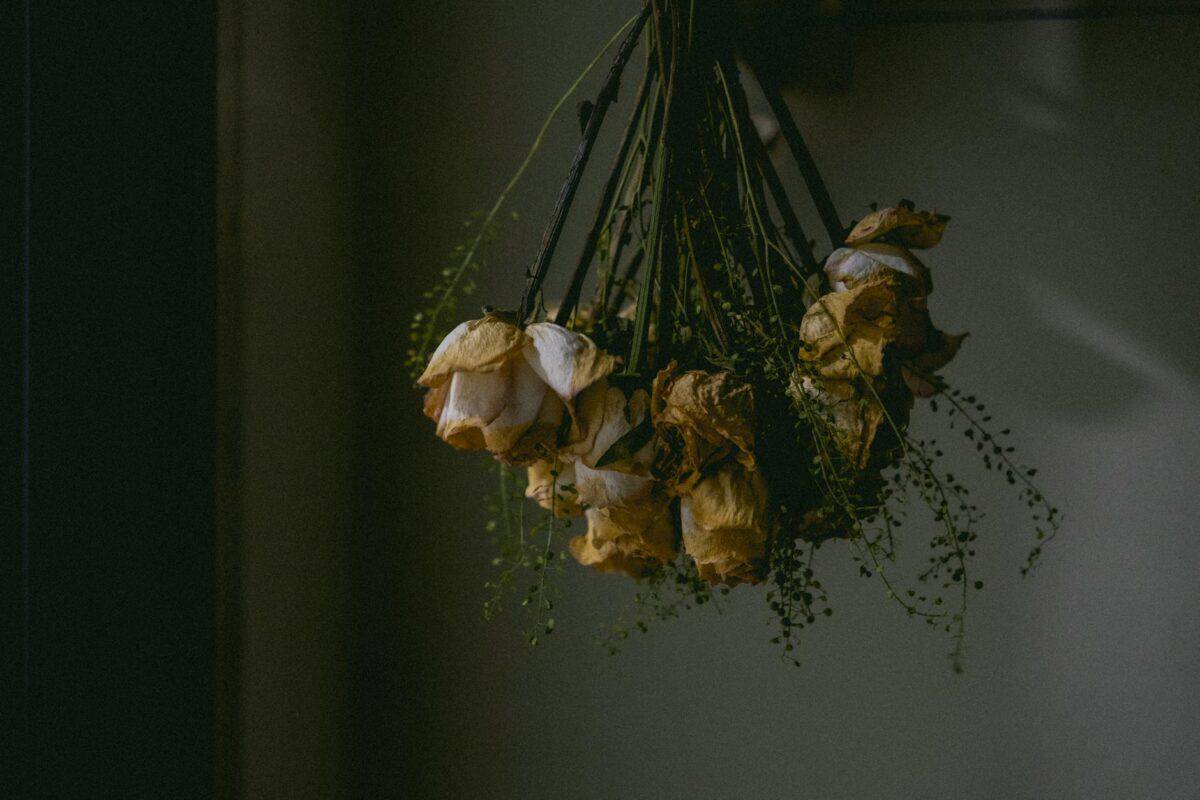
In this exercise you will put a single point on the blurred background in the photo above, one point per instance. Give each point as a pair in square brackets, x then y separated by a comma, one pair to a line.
[344, 647]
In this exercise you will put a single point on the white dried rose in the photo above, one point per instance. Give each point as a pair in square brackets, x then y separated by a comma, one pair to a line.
[724, 524]
[495, 387]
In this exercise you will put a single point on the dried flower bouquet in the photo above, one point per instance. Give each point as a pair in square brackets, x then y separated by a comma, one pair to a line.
[727, 400]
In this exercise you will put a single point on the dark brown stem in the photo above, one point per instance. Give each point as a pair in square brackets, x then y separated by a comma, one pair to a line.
[608, 93]
[792, 299]
[606, 197]
[804, 160]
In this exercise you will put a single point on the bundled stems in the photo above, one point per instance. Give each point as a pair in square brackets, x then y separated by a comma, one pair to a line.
[804, 160]
[603, 208]
[608, 93]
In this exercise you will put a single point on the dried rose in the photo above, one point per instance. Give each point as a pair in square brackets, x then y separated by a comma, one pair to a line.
[634, 541]
[702, 419]
[900, 225]
[724, 524]
[495, 387]
[846, 333]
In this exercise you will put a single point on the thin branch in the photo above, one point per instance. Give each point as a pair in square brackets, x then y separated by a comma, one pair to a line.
[804, 160]
[791, 224]
[606, 197]
[608, 93]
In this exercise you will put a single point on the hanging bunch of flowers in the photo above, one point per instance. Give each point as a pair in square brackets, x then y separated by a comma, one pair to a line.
[728, 399]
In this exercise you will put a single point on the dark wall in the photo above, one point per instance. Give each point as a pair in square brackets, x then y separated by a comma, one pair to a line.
[110, 297]
[1064, 151]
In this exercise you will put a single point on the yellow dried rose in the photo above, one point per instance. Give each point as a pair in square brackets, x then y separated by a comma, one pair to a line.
[495, 387]
[901, 225]
[724, 524]
[702, 419]
[634, 541]
[846, 333]
[551, 484]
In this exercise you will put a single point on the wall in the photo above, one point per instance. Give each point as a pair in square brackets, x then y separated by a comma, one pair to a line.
[1065, 151]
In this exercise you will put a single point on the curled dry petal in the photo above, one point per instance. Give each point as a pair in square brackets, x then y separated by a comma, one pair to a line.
[478, 345]
[724, 524]
[847, 267]
[614, 428]
[615, 447]
[634, 541]
[566, 361]
[846, 333]
[554, 491]
[702, 418]
[902, 225]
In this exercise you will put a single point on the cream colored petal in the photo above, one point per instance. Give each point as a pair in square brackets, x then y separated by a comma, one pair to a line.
[606, 415]
[849, 266]
[480, 345]
[474, 400]
[610, 487]
[522, 403]
[568, 362]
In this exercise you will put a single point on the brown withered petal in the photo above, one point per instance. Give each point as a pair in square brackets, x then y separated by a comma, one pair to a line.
[702, 418]
[634, 542]
[846, 333]
[919, 229]
[724, 524]
[554, 492]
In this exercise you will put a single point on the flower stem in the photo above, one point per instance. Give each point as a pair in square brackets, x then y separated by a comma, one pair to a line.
[608, 93]
[804, 160]
[602, 210]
